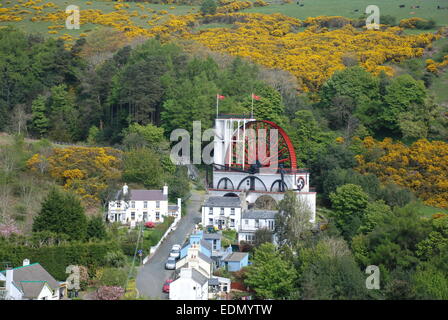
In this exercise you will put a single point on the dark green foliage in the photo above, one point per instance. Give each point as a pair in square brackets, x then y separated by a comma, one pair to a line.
[62, 213]
[56, 258]
[208, 7]
[113, 277]
[143, 166]
[96, 228]
[262, 235]
[270, 275]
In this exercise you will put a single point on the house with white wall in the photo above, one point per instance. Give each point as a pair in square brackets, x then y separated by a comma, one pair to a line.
[30, 282]
[197, 260]
[222, 212]
[253, 220]
[139, 205]
[191, 285]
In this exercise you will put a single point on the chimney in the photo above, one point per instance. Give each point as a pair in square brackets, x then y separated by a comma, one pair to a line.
[9, 280]
[165, 190]
[26, 262]
[243, 201]
[125, 189]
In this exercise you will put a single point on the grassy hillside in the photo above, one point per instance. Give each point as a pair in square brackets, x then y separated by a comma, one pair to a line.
[312, 8]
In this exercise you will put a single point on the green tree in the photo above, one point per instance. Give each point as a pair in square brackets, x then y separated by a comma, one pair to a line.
[96, 228]
[262, 235]
[208, 7]
[39, 120]
[374, 214]
[93, 136]
[348, 202]
[328, 271]
[403, 92]
[292, 223]
[143, 166]
[62, 213]
[270, 275]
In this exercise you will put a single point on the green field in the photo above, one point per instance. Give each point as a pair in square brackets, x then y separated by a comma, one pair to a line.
[313, 8]
[106, 7]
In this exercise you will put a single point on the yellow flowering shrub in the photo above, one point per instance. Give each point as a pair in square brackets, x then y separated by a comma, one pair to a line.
[313, 55]
[85, 170]
[421, 167]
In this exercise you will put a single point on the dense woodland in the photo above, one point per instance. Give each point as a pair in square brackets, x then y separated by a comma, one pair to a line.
[78, 121]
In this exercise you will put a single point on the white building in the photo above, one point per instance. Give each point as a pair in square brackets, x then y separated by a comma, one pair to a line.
[191, 285]
[197, 260]
[222, 212]
[137, 205]
[30, 282]
[253, 220]
[235, 173]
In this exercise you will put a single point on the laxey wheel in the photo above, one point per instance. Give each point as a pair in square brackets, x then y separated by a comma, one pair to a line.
[283, 151]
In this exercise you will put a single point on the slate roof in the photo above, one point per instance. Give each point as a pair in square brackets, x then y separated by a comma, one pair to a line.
[173, 207]
[142, 195]
[213, 282]
[32, 289]
[205, 258]
[31, 279]
[259, 214]
[233, 202]
[235, 257]
[206, 244]
[198, 277]
[212, 236]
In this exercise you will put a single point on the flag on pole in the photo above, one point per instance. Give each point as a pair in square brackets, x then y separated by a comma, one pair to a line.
[256, 98]
[218, 97]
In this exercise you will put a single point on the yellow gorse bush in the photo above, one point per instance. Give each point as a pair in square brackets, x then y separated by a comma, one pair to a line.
[421, 167]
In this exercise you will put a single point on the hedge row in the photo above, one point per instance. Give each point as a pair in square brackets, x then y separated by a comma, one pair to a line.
[55, 259]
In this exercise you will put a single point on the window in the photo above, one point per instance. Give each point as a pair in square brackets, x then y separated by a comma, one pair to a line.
[210, 221]
[157, 215]
[118, 204]
[232, 222]
[145, 216]
[145, 204]
[132, 204]
[157, 204]
[271, 224]
[232, 211]
[210, 210]
[246, 222]
[132, 215]
[257, 223]
[222, 211]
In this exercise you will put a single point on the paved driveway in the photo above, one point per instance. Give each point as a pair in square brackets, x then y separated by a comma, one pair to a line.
[152, 275]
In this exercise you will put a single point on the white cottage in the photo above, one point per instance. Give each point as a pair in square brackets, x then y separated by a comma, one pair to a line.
[191, 285]
[139, 205]
[222, 212]
[30, 282]
[253, 220]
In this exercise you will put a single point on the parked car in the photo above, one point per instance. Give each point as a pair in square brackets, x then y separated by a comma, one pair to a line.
[170, 263]
[166, 285]
[150, 224]
[176, 247]
[175, 253]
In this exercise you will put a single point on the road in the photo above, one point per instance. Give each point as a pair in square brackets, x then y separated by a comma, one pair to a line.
[152, 275]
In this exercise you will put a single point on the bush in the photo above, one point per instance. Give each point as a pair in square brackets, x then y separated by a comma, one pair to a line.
[116, 259]
[113, 277]
[109, 293]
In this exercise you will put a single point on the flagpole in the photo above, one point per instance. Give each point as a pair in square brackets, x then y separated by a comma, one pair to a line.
[217, 104]
[252, 112]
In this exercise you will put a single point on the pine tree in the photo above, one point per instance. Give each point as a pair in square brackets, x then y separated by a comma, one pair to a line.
[39, 119]
[62, 213]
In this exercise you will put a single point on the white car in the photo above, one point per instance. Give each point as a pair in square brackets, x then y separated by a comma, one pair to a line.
[170, 263]
[175, 253]
[176, 247]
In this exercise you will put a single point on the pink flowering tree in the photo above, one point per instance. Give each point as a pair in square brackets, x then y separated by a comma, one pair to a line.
[8, 227]
[109, 293]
